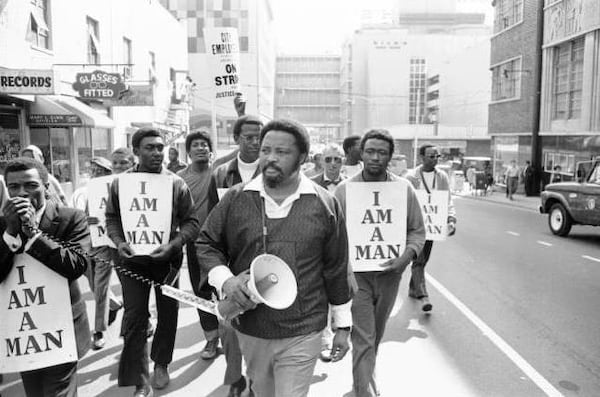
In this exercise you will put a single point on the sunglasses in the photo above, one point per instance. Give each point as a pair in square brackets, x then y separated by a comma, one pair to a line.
[338, 160]
[434, 156]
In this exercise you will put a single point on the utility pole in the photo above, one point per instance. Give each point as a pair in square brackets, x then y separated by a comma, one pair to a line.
[536, 141]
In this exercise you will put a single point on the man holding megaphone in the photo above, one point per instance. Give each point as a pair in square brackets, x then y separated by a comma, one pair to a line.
[276, 249]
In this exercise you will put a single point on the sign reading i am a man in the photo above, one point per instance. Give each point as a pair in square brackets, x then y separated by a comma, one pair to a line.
[98, 190]
[146, 204]
[376, 222]
[36, 330]
[434, 207]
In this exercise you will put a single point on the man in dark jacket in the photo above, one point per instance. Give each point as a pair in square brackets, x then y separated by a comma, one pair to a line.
[26, 212]
[283, 213]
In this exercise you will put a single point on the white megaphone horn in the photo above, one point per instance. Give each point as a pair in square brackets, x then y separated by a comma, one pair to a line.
[272, 282]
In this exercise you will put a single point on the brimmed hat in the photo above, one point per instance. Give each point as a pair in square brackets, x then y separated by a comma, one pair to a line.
[102, 162]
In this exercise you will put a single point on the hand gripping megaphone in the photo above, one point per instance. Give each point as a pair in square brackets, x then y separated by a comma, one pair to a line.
[271, 281]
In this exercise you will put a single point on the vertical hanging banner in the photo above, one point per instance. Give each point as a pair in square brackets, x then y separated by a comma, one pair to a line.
[434, 207]
[376, 222]
[146, 203]
[37, 329]
[98, 190]
[223, 53]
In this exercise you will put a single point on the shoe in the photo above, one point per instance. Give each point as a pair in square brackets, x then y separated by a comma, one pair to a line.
[211, 350]
[250, 391]
[143, 391]
[160, 378]
[237, 388]
[112, 315]
[325, 355]
[426, 306]
[150, 330]
[98, 341]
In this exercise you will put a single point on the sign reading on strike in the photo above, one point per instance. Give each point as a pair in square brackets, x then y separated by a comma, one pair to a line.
[434, 207]
[146, 203]
[376, 223]
[98, 190]
[223, 51]
[37, 329]
[27, 81]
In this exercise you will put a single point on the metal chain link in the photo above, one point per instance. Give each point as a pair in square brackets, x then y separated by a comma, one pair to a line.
[76, 248]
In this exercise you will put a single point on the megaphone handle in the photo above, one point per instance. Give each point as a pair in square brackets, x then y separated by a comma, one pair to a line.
[266, 282]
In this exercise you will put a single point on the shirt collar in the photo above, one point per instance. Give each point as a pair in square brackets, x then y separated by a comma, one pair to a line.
[306, 186]
[39, 213]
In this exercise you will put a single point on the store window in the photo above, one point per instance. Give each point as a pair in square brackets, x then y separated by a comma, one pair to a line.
[566, 161]
[507, 13]
[10, 143]
[90, 142]
[54, 144]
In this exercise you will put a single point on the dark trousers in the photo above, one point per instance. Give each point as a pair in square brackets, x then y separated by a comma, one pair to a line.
[371, 308]
[417, 287]
[201, 288]
[133, 364]
[57, 381]
[512, 183]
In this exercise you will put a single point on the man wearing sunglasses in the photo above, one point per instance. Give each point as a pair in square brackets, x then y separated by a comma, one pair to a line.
[427, 177]
[331, 161]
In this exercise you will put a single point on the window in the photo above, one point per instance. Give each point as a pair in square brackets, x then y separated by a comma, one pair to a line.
[566, 162]
[93, 47]
[417, 91]
[127, 58]
[38, 32]
[507, 14]
[567, 83]
[506, 80]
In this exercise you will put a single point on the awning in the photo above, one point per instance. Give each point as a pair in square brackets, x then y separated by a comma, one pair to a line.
[70, 111]
[28, 98]
[162, 127]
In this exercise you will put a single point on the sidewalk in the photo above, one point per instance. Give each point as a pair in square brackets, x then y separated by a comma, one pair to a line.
[499, 197]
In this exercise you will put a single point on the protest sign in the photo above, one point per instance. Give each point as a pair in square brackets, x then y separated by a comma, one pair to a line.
[146, 203]
[223, 54]
[434, 207]
[98, 189]
[376, 223]
[37, 329]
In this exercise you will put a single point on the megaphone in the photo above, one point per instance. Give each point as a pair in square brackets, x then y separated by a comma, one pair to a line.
[272, 282]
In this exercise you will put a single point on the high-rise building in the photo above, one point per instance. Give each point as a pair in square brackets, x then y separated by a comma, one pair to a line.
[307, 89]
[254, 22]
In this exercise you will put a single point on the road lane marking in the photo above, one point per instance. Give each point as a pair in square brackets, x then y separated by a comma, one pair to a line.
[544, 243]
[500, 343]
[513, 233]
[590, 258]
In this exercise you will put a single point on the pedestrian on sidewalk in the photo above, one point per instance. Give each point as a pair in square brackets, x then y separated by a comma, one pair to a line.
[148, 146]
[512, 179]
[283, 213]
[377, 290]
[100, 267]
[427, 177]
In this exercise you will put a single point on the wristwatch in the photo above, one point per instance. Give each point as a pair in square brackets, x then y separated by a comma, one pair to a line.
[344, 328]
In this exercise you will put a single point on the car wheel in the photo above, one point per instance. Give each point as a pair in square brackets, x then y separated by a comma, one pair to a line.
[559, 220]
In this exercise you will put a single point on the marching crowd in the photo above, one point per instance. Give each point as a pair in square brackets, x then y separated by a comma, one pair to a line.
[225, 213]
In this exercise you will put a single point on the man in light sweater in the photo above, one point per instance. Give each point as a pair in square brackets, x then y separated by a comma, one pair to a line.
[283, 213]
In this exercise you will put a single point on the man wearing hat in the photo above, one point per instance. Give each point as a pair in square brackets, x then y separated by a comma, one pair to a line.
[99, 271]
[283, 213]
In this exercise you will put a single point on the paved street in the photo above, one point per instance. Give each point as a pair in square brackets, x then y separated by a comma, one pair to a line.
[514, 315]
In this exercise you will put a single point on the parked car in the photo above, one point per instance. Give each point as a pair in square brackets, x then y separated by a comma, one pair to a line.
[573, 203]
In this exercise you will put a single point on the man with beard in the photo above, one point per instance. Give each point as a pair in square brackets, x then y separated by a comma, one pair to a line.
[283, 213]
[241, 169]
[427, 177]
[148, 146]
[377, 290]
[29, 209]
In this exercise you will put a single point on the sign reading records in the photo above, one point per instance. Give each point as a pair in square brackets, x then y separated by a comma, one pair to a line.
[99, 85]
[27, 81]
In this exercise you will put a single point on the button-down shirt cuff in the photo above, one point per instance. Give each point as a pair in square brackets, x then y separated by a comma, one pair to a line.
[342, 314]
[217, 277]
[31, 240]
[13, 242]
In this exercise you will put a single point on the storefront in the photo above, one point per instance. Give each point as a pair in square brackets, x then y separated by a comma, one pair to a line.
[69, 133]
[12, 126]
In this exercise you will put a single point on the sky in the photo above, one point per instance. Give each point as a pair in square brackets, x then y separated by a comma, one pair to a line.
[318, 26]
[321, 26]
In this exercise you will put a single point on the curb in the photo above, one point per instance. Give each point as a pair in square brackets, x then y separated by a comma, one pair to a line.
[507, 203]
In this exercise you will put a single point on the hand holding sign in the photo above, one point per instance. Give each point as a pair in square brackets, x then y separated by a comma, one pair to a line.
[397, 265]
[125, 251]
[162, 253]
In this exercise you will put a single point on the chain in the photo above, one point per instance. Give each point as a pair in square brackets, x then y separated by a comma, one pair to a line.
[77, 249]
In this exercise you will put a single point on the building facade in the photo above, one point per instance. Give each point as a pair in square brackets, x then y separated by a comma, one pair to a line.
[110, 74]
[386, 68]
[307, 89]
[570, 89]
[254, 22]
